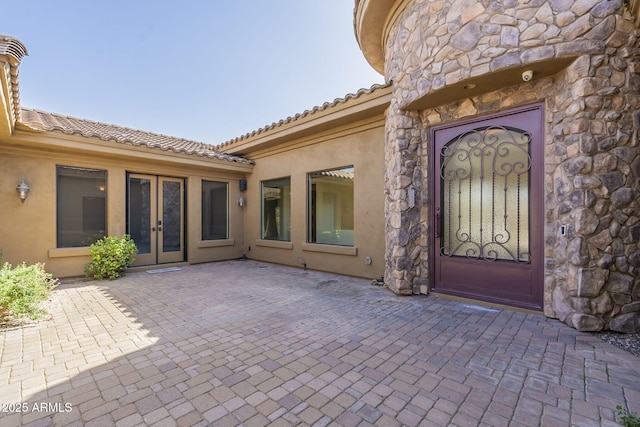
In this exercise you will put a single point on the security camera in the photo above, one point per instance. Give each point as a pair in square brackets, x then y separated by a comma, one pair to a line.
[527, 75]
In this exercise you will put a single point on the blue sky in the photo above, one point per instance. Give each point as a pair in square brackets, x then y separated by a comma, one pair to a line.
[199, 69]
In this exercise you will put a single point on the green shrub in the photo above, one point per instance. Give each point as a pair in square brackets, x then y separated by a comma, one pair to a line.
[22, 289]
[110, 256]
[628, 419]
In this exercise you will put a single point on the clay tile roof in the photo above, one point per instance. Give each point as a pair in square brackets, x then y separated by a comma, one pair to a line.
[305, 113]
[43, 121]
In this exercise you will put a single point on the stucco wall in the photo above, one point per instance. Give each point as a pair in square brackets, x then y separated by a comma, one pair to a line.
[28, 231]
[589, 50]
[359, 145]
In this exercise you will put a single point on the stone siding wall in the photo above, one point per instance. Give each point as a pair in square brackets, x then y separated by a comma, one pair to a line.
[592, 159]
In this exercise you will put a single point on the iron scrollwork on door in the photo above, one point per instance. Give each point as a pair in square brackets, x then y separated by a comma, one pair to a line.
[485, 195]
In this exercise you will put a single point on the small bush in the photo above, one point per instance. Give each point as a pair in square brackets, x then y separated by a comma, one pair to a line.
[110, 256]
[628, 419]
[22, 289]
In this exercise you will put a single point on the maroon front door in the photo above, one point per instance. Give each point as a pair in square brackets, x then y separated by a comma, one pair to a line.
[487, 211]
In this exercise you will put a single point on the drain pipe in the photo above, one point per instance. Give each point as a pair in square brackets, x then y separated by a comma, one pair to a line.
[244, 256]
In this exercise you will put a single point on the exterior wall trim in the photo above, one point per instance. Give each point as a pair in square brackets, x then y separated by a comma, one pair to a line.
[215, 243]
[274, 244]
[330, 249]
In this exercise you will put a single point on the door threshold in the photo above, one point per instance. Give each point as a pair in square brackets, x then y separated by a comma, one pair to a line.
[484, 304]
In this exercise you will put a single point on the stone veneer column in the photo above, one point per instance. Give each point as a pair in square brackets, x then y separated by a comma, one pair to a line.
[592, 156]
[405, 205]
[596, 187]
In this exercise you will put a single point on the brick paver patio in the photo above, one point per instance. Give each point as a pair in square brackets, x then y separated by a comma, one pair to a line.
[247, 343]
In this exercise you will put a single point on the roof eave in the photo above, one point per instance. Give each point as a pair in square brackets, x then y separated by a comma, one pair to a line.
[27, 137]
[355, 108]
[372, 21]
[55, 124]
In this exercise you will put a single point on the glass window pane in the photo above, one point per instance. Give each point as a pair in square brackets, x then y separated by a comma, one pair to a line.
[171, 216]
[214, 210]
[276, 209]
[140, 213]
[80, 206]
[485, 195]
[331, 207]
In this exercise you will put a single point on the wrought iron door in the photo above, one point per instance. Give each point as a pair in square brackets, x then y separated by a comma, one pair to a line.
[487, 213]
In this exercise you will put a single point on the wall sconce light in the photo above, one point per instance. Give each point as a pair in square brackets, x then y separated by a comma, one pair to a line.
[242, 201]
[23, 190]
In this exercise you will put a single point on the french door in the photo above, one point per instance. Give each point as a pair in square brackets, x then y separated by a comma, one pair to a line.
[488, 208]
[155, 218]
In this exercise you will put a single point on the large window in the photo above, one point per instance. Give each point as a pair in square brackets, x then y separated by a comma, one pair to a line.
[331, 207]
[81, 206]
[276, 209]
[215, 202]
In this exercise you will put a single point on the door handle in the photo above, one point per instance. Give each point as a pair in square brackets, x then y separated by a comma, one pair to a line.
[437, 221]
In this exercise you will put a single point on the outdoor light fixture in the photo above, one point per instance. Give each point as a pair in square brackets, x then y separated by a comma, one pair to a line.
[23, 190]
[242, 201]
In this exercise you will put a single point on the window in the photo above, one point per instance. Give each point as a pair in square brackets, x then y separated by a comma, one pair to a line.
[80, 206]
[331, 207]
[485, 194]
[276, 209]
[215, 203]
